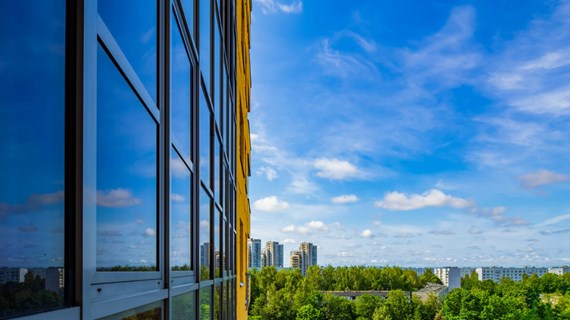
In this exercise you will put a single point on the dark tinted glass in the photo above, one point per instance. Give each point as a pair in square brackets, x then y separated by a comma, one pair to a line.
[126, 175]
[205, 260]
[151, 311]
[184, 306]
[180, 209]
[133, 25]
[205, 301]
[180, 93]
[205, 138]
[205, 59]
[32, 91]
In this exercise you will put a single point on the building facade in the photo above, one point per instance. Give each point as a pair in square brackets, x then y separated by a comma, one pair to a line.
[516, 274]
[254, 253]
[559, 270]
[125, 158]
[449, 276]
[305, 257]
[272, 255]
[296, 259]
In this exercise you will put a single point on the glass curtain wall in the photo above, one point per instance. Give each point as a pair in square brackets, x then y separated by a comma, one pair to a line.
[138, 110]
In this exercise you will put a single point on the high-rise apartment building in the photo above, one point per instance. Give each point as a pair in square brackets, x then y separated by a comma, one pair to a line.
[516, 274]
[296, 259]
[449, 276]
[272, 255]
[124, 158]
[254, 253]
[304, 257]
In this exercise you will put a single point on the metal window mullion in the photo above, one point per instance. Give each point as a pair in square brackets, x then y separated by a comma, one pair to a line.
[163, 101]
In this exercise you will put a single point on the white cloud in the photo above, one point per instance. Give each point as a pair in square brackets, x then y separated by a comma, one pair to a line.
[302, 185]
[345, 65]
[175, 197]
[316, 225]
[149, 232]
[117, 198]
[541, 177]
[399, 201]
[554, 220]
[270, 204]
[269, 173]
[367, 234]
[311, 226]
[289, 241]
[273, 6]
[335, 169]
[178, 168]
[345, 198]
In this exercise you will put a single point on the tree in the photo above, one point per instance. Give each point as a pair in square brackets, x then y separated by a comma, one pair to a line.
[429, 276]
[366, 304]
[337, 308]
[309, 312]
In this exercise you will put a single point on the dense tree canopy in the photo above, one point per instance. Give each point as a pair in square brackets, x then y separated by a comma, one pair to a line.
[286, 294]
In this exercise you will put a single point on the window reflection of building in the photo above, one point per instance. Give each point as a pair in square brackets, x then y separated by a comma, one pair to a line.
[118, 163]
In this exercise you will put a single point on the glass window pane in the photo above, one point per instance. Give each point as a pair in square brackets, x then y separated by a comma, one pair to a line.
[32, 113]
[205, 301]
[225, 300]
[126, 175]
[180, 93]
[216, 76]
[184, 306]
[133, 25]
[205, 59]
[217, 176]
[217, 247]
[205, 261]
[151, 311]
[188, 8]
[180, 209]
[218, 302]
[205, 140]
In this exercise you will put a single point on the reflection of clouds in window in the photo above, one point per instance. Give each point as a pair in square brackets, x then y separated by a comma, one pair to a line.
[126, 171]
[117, 198]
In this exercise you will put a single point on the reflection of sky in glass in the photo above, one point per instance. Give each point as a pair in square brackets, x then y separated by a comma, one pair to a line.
[180, 207]
[133, 25]
[188, 7]
[126, 173]
[217, 92]
[32, 65]
[217, 172]
[205, 41]
[180, 85]
[204, 218]
[204, 140]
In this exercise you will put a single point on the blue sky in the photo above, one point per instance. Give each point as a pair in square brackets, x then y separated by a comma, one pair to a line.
[416, 133]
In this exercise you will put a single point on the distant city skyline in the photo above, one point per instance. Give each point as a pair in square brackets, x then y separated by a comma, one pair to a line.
[412, 133]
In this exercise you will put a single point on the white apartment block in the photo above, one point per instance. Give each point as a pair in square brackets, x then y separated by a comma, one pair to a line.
[559, 270]
[12, 275]
[516, 274]
[449, 276]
